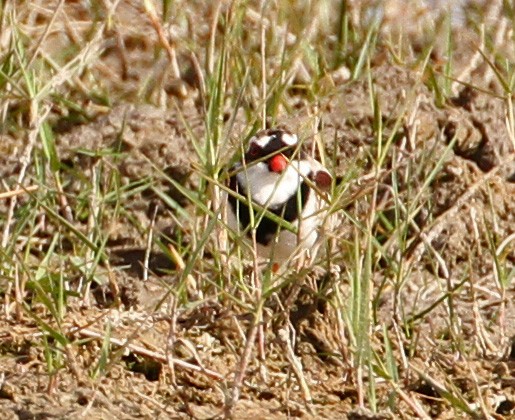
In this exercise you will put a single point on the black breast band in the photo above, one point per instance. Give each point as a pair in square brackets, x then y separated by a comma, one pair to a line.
[267, 228]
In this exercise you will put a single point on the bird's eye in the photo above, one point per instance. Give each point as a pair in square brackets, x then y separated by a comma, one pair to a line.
[254, 150]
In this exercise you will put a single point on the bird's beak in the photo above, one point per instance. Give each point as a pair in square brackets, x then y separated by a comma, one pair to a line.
[277, 163]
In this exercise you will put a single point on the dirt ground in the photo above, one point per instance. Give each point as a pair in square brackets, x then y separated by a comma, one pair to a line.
[468, 214]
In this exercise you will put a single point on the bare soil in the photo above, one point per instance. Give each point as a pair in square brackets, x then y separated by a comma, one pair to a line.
[468, 211]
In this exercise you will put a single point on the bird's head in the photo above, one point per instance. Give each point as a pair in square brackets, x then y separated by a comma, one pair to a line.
[274, 147]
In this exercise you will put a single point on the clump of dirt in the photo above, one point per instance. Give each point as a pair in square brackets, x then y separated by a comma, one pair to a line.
[478, 132]
[143, 140]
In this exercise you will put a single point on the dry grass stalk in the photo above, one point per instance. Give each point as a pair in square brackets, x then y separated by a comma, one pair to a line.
[170, 49]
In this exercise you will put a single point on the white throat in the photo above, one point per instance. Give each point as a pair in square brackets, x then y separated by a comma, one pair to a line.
[270, 189]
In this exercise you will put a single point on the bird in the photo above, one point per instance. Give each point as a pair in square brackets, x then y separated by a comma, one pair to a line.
[276, 175]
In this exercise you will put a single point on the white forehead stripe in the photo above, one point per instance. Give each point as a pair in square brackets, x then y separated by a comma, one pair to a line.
[287, 138]
[261, 141]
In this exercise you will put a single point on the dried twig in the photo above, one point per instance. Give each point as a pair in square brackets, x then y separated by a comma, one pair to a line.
[412, 403]
[19, 191]
[172, 337]
[191, 284]
[284, 338]
[148, 249]
[234, 395]
[161, 357]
